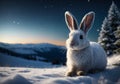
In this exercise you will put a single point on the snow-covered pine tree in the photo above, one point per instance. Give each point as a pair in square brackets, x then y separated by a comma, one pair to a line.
[107, 37]
[117, 42]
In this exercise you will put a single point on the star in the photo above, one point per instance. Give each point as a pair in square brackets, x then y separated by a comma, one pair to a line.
[45, 6]
[15, 22]
[88, 0]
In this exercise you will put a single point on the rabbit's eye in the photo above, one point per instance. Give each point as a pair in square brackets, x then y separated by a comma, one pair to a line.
[81, 36]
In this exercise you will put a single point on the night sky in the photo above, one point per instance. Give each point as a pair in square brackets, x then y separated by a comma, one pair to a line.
[39, 21]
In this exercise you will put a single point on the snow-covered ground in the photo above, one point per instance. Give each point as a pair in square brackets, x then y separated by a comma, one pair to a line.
[55, 75]
[35, 72]
[11, 61]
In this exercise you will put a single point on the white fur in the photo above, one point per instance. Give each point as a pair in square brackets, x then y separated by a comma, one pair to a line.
[83, 55]
[92, 57]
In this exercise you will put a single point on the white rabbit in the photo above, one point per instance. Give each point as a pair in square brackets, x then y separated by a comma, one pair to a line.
[82, 55]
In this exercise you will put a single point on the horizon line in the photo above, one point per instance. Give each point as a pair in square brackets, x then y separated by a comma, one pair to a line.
[59, 44]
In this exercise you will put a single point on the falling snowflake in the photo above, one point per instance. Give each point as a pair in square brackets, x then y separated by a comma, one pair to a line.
[98, 30]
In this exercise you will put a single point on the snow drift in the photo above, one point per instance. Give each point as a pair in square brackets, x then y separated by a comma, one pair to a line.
[114, 60]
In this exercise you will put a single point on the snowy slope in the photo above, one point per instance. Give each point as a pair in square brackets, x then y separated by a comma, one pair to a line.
[48, 52]
[45, 73]
[10, 61]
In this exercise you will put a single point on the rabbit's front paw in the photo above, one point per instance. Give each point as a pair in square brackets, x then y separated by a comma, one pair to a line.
[79, 73]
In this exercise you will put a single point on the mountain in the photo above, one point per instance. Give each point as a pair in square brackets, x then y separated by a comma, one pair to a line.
[37, 52]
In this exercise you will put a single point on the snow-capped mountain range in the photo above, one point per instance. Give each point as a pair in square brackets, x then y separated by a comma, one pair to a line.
[37, 52]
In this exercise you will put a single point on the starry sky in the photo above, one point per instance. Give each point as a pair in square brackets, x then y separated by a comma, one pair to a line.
[42, 21]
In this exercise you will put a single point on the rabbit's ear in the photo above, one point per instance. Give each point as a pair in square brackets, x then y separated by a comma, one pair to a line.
[87, 21]
[70, 21]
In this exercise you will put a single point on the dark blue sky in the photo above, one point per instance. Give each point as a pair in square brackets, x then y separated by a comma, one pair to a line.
[36, 21]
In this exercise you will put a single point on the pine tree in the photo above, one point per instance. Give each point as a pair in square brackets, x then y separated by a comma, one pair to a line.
[107, 36]
[117, 42]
